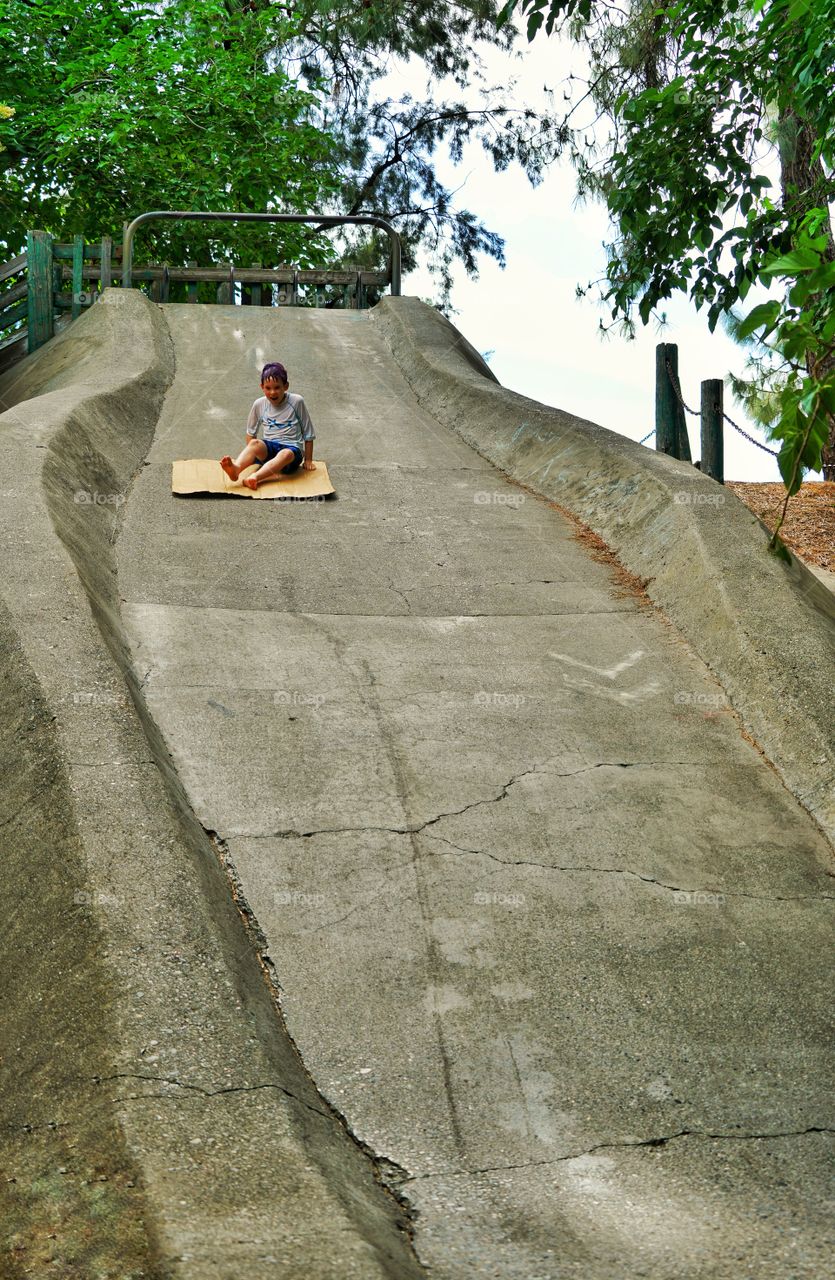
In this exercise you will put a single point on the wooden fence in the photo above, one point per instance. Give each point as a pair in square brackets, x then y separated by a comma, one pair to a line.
[671, 425]
[54, 281]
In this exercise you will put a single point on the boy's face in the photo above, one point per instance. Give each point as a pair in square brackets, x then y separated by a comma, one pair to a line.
[274, 390]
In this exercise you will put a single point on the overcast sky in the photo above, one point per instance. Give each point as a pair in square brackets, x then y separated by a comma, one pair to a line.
[545, 342]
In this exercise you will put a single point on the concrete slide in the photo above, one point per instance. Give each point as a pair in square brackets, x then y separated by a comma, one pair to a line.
[431, 880]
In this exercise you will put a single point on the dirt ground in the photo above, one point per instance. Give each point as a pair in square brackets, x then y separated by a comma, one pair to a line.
[809, 529]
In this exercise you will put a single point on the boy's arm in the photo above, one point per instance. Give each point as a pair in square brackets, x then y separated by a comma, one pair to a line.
[252, 423]
[308, 434]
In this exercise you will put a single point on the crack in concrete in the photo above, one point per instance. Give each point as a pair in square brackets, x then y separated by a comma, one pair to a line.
[291, 833]
[625, 871]
[207, 1093]
[385, 1171]
[660, 1141]
[359, 906]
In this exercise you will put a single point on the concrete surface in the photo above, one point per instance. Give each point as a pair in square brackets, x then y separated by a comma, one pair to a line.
[158, 1121]
[766, 629]
[826, 576]
[550, 932]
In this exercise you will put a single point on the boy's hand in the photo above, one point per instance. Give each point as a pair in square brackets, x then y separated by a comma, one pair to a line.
[309, 465]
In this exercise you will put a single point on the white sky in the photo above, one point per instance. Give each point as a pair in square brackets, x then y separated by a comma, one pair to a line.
[545, 341]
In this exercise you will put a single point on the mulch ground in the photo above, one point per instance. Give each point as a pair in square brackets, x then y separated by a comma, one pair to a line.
[809, 529]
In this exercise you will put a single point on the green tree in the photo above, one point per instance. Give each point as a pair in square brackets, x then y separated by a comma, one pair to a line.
[696, 96]
[121, 108]
[387, 145]
[255, 105]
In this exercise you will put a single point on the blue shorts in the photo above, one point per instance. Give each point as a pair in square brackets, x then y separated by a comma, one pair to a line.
[274, 446]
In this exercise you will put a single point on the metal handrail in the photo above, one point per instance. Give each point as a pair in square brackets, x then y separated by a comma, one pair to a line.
[322, 220]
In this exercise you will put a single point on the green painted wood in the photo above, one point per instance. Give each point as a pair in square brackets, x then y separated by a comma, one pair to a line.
[79, 297]
[66, 251]
[40, 308]
[13, 266]
[713, 440]
[192, 284]
[9, 315]
[12, 295]
[670, 426]
[106, 254]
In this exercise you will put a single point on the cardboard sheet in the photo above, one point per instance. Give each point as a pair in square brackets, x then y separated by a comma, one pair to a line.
[206, 475]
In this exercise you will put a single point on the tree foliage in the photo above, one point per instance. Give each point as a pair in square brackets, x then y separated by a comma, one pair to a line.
[120, 108]
[387, 145]
[704, 101]
[253, 105]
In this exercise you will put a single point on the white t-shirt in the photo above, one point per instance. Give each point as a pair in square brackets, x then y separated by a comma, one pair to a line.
[286, 423]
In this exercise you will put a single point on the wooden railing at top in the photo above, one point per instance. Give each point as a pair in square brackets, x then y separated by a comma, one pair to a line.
[36, 296]
[14, 308]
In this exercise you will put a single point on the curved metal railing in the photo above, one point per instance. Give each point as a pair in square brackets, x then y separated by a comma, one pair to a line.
[321, 220]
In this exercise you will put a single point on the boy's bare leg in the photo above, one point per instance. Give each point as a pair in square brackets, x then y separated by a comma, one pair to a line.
[270, 469]
[255, 451]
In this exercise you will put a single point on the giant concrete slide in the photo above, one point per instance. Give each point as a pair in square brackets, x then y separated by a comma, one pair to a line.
[435, 880]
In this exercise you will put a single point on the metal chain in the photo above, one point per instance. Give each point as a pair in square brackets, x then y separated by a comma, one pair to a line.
[674, 382]
[647, 436]
[758, 443]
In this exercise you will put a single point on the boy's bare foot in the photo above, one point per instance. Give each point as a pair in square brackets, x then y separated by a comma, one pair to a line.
[229, 467]
[251, 482]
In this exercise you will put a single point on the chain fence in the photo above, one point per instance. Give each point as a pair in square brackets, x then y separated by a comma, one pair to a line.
[674, 382]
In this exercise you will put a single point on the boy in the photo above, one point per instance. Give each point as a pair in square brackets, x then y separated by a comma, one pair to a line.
[281, 418]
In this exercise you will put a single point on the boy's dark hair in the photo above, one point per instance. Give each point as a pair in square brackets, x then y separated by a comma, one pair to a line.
[274, 370]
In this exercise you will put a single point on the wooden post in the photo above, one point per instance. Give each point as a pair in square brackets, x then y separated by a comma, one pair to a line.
[670, 425]
[165, 284]
[191, 286]
[121, 263]
[77, 276]
[254, 291]
[226, 290]
[666, 419]
[713, 444]
[106, 253]
[40, 306]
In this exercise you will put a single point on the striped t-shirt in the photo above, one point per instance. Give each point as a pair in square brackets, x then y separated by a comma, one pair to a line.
[287, 422]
